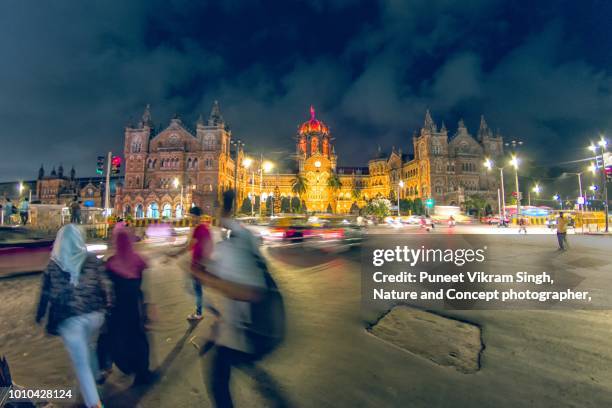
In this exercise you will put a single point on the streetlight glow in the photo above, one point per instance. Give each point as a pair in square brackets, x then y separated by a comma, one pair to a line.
[556, 197]
[514, 162]
[593, 168]
[537, 189]
[267, 166]
[603, 142]
[592, 147]
[175, 182]
[401, 183]
[488, 164]
[593, 188]
[246, 162]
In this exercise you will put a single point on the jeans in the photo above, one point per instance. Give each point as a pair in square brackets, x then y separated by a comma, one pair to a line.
[79, 334]
[24, 217]
[219, 372]
[197, 289]
[562, 238]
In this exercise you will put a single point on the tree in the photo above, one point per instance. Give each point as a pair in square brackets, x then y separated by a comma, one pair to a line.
[417, 206]
[299, 186]
[354, 208]
[406, 205]
[356, 194]
[246, 206]
[269, 205]
[329, 208]
[334, 184]
[296, 204]
[378, 207]
[475, 203]
[285, 205]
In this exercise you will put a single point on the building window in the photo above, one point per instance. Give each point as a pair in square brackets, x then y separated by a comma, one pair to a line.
[153, 210]
[167, 211]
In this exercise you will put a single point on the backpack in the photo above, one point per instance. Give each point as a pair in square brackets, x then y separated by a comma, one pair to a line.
[268, 320]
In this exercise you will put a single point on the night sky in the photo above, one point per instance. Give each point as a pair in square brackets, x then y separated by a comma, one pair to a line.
[74, 73]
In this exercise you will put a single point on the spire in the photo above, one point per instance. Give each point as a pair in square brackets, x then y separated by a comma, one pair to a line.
[41, 172]
[53, 172]
[215, 117]
[484, 130]
[312, 112]
[146, 117]
[429, 123]
[443, 128]
[461, 124]
[72, 173]
[60, 171]
[200, 121]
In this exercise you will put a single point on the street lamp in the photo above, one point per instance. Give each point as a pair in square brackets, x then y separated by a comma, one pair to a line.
[265, 166]
[176, 184]
[246, 163]
[501, 200]
[601, 145]
[536, 189]
[514, 162]
[400, 185]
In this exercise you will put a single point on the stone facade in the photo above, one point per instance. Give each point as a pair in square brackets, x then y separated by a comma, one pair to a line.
[172, 170]
[169, 171]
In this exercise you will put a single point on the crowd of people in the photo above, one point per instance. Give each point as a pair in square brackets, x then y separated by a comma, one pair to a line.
[99, 311]
[9, 211]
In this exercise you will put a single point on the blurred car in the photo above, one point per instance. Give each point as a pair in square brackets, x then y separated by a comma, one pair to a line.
[335, 234]
[22, 250]
[26, 250]
[411, 219]
[286, 230]
[493, 220]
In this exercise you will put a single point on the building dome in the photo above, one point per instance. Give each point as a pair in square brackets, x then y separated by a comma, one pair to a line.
[313, 125]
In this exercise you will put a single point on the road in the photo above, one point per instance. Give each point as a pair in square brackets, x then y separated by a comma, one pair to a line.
[555, 358]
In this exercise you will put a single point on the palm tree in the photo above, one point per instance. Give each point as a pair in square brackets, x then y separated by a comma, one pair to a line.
[299, 186]
[334, 184]
[356, 194]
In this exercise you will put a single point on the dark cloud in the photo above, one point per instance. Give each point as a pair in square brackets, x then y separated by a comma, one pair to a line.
[74, 73]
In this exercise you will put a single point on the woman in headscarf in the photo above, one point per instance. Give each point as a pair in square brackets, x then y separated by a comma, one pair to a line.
[126, 324]
[76, 292]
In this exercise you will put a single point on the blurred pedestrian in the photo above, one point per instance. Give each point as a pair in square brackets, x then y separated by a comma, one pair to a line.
[252, 318]
[562, 231]
[76, 293]
[129, 346]
[522, 225]
[75, 211]
[24, 210]
[8, 211]
[201, 246]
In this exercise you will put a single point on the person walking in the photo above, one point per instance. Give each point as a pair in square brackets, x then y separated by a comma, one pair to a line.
[522, 225]
[75, 293]
[24, 210]
[252, 318]
[75, 211]
[562, 223]
[126, 336]
[8, 211]
[201, 246]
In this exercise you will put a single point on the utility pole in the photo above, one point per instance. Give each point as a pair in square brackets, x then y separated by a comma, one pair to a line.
[107, 187]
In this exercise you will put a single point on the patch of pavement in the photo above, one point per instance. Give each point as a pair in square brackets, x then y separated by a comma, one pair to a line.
[445, 341]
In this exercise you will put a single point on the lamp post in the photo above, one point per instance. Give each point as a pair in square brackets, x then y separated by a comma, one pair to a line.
[602, 144]
[400, 185]
[238, 144]
[176, 184]
[502, 209]
[536, 189]
[265, 166]
[514, 162]
[246, 163]
[557, 198]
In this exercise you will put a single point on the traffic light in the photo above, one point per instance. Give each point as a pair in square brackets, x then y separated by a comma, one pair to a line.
[115, 165]
[100, 166]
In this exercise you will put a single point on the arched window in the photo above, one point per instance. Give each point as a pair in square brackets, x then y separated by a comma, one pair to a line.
[139, 211]
[153, 210]
[167, 211]
[195, 164]
[209, 142]
[178, 211]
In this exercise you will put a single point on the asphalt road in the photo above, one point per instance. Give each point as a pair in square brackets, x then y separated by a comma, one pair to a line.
[554, 358]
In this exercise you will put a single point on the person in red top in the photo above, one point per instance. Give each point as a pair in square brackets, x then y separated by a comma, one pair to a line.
[201, 246]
